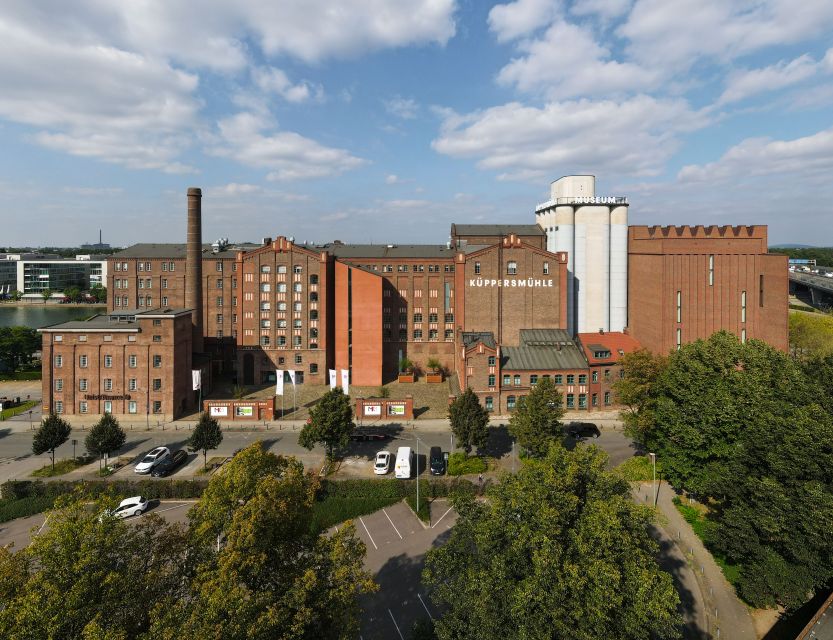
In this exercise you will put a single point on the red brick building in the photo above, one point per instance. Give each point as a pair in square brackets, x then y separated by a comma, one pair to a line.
[603, 352]
[686, 283]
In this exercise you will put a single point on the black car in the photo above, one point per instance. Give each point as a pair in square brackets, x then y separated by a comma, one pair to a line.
[436, 461]
[169, 464]
[582, 430]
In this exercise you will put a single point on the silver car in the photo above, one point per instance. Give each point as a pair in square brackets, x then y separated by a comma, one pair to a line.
[151, 459]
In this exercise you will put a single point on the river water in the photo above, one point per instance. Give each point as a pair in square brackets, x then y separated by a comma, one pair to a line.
[40, 315]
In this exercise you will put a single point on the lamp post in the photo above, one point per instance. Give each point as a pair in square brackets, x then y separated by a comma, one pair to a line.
[30, 420]
[653, 457]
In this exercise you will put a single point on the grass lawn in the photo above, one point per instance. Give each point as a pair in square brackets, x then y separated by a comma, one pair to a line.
[61, 467]
[695, 515]
[637, 469]
[13, 411]
[213, 464]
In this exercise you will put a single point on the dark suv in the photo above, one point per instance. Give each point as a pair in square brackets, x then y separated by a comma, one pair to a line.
[582, 430]
[436, 461]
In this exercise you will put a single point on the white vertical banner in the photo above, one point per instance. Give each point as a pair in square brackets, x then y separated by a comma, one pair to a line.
[345, 381]
[279, 382]
[332, 378]
[291, 373]
[196, 379]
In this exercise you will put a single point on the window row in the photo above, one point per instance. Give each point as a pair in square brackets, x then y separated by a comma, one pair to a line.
[448, 318]
[132, 360]
[132, 406]
[512, 268]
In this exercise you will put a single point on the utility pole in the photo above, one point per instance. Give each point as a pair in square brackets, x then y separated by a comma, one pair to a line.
[653, 457]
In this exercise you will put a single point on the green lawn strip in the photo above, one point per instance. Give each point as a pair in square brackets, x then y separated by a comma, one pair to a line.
[424, 512]
[212, 465]
[335, 510]
[702, 527]
[460, 464]
[61, 467]
[637, 469]
[21, 375]
[13, 411]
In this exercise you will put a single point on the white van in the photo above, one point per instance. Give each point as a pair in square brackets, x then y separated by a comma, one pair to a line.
[403, 462]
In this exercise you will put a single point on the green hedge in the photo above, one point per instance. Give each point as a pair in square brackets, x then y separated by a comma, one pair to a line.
[17, 489]
[460, 464]
[21, 375]
[389, 488]
[637, 469]
[333, 510]
[11, 509]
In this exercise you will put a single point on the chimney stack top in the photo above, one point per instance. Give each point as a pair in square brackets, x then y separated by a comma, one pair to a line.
[194, 191]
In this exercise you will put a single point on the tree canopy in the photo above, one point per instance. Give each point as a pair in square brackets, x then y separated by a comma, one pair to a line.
[811, 335]
[330, 422]
[469, 421]
[17, 344]
[206, 435]
[559, 550]
[536, 422]
[105, 436]
[52, 433]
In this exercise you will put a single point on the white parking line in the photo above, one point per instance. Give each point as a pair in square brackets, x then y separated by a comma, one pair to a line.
[371, 539]
[425, 607]
[43, 525]
[396, 625]
[178, 506]
[391, 524]
[441, 517]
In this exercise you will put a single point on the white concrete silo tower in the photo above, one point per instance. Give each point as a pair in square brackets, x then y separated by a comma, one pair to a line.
[593, 231]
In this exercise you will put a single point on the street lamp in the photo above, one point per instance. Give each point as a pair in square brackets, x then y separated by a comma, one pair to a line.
[30, 420]
[653, 457]
[417, 473]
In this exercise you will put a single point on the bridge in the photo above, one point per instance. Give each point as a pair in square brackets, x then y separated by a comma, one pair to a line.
[818, 288]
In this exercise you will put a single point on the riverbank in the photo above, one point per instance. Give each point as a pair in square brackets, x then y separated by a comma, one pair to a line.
[51, 303]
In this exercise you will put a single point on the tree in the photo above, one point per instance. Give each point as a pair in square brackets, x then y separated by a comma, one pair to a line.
[641, 368]
[536, 422]
[469, 421]
[275, 577]
[46, 294]
[330, 422]
[16, 295]
[99, 293]
[17, 344]
[105, 436]
[52, 433]
[89, 577]
[206, 435]
[811, 335]
[73, 294]
[558, 550]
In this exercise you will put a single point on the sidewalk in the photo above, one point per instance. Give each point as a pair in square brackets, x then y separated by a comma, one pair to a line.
[726, 615]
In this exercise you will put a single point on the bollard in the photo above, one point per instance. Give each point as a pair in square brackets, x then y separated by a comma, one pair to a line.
[702, 570]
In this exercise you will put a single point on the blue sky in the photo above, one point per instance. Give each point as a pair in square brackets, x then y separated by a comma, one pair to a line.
[379, 121]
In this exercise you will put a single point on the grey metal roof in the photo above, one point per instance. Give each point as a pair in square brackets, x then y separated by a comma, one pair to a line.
[497, 229]
[545, 337]
[155, 250]
[473, 337]
[416, 251]
[541, 358]
[115, 321]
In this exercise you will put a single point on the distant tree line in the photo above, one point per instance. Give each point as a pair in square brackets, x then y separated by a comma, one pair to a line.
[17, 347]
[822, 255]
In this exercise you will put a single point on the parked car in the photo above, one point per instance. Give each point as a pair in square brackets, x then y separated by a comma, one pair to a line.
[367, 436]
[382, 464]
[134, 506]
[169, 464]
[582, 430]
[436, 461]
[151, 459]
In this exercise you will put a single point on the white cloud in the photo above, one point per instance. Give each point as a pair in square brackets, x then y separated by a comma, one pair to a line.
[519, 18]
[232, 189]
[568, 62]
[604, 9]
[405, 108]
[764, 156]
[272, 80]
[634, 137]
[288, 155]
[392, 179]
[743, 84]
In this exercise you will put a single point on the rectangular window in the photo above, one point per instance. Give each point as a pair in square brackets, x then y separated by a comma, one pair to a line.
[157, 362]
[131, 384]
[131, 406]
[476, 268]
[417, 334]
[296, 324]
[582, 378]
[164, 301]
[157, 384]
[82, 407]
[219, 301]
[432, 334]
[131, 362]
[170, 266]
[517, 380]
[299, 359]
[582, 401]
[281, 287]
[595, 376]
[108, 384]
[507, 380]
[82, 384]
[571, 378]
[571, 401]
[219, 266]
[417, 318]
[157, 338]
[491, 380]
[743, 306]
[761, 290]
[679, 306]
[82, 362]
[595, 399]
[281, 341]
[313, 367]
[533, 379]
[219, 283]
[59, 384]
[679, 338]
[491, 361]
[59, 362]
[108, 362]
[512, 268]
[265, 287]
[164, 266]
[449, 335]
[489, 403]
[157, 406]
[449, 318]
[546, 268]
[432, 317]
[59, 407]
[264, 340]
[743, 336]
[558, 379]
[607, 398]
[711, 270]
[510, 402]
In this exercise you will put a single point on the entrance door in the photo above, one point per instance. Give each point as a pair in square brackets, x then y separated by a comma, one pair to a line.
[248, 369]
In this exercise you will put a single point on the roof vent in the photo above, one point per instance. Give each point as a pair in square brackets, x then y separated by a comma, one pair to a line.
[266, 240]
[219, 245]
[601, 331]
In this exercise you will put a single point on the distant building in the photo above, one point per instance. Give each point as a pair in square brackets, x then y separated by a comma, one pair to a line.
[33, 273]
[98, 246]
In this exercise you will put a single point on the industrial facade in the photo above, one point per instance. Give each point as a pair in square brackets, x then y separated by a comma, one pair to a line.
[498, 305]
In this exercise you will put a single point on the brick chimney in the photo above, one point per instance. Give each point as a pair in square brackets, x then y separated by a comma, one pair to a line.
[193, 266]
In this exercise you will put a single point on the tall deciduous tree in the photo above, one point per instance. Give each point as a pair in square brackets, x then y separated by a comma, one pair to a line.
[17, 344]
[330, 422]
[52, 433]
[469, 421]
[105, 436]
[206, 435]
[641, 368]
[559, 550]
[536, 422]
[811, 335]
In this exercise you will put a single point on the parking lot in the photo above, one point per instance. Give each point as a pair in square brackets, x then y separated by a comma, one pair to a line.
[396, 543]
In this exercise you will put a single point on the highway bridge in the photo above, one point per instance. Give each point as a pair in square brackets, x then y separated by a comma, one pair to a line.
[816, 289]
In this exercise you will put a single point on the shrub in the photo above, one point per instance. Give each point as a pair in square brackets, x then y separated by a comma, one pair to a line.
[460, 464]
[424, 512]
[20, 508]
[637, 469]
[333, 510]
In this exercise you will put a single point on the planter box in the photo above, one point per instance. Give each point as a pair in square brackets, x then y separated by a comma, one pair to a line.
[406, 377]
[434, 378]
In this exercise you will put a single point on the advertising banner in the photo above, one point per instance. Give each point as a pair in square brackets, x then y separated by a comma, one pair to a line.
[245, 412]
[196, 379]
[396, 409]
[278, 382]
[218, 412]
[291, 373]
[345, 381]
[373, 410]
[332, 378]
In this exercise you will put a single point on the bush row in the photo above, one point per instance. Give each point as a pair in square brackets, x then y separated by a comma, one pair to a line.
[333, 510]
[396, 489]
[11, 509]
[161, 489]
[460, 464]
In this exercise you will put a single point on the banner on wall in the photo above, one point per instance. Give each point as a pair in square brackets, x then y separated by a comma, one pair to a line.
[291, 373]
[345, 381]
[332, 378]
[196, 379]
[218, 412]
[279, 382]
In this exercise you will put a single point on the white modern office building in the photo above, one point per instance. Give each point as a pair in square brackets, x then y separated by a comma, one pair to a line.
[32, 274]
[593, 230]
